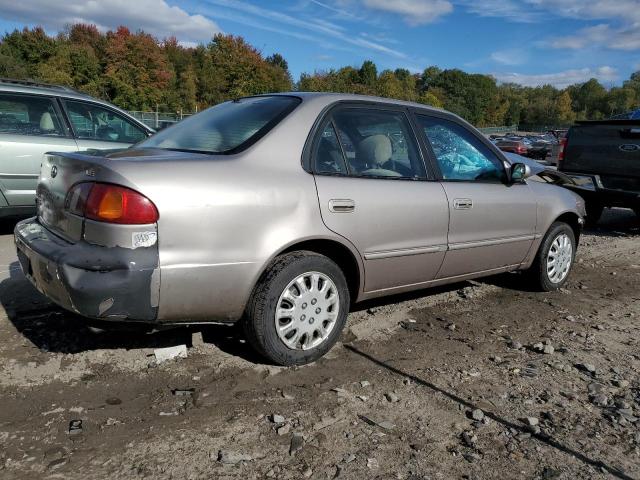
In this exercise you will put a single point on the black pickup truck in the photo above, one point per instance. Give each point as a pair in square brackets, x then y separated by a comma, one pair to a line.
[603, 157]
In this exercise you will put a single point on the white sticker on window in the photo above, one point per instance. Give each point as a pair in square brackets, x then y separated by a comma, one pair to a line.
[143, 239]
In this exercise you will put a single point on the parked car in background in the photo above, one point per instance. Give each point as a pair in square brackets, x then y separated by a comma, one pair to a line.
[512, 145]
[558, 133]
[280, 211]
[36, 118]
[603, 157]
[537, 147]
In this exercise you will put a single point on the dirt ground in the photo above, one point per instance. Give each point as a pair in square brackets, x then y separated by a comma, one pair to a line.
[477, 380]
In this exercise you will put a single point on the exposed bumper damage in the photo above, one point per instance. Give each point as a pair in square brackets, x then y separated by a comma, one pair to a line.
[94, 281]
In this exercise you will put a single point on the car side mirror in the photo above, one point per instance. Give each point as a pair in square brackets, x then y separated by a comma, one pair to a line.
[520, 171]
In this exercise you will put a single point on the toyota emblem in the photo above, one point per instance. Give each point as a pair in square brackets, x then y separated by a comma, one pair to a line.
[54, 171]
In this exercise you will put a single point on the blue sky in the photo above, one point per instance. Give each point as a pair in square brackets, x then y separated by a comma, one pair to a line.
[531, 42]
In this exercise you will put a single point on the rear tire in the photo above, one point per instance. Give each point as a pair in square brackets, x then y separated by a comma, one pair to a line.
[558, 249]
[594, 212]
[298, 309]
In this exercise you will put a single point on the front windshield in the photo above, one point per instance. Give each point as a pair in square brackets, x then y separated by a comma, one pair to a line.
[225, 128]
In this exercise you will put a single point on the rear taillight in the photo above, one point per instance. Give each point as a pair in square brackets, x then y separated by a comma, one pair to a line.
[563, 148]
[77, 198]
[105, 202]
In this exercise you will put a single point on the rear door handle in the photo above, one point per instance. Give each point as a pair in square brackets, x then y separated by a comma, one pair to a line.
[462, 203]
[342, 205]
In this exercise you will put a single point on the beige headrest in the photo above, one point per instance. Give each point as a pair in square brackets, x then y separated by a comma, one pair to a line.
[46, 122]
[375, 149]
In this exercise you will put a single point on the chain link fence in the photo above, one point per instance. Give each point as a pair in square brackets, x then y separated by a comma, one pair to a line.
[496, 130]
[544, 128]
[159, 120]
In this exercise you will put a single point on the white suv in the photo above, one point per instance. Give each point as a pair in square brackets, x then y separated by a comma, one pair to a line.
[36, 118]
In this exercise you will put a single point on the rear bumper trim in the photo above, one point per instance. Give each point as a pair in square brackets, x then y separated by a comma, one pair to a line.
[93, 281]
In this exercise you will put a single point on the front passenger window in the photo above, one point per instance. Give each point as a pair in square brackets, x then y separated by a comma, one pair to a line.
[92, 122]
[460, 154]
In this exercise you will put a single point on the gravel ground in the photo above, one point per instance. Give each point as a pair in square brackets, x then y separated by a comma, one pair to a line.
[475, 380]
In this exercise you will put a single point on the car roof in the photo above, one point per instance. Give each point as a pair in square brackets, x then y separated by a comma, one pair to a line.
[9, 85]
[28, 86]
[332, 97]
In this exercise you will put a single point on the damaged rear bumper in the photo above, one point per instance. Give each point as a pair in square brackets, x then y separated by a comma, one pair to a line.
[98, 282]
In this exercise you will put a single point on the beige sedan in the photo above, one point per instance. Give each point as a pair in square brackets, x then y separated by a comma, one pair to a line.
[281, 211]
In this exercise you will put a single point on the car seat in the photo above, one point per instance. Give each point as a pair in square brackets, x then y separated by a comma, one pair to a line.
[46, 123]
[373, 152]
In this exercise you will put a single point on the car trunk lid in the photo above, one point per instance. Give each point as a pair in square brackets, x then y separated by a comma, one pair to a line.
[58, 173]
[129, 168]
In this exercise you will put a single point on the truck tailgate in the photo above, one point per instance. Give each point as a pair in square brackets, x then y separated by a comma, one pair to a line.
[606, 148]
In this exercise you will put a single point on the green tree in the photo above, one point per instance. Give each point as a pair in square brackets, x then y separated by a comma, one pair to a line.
[232, 68]
[278, 60]
[429, 98]
[622, 100]
[429, 78]
[589, 100]
[368, 74]
[633, 83]
[565, 114]
[388, 85]
[29, 47]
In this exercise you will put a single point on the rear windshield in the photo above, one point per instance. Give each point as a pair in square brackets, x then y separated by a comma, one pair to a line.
[226, 128]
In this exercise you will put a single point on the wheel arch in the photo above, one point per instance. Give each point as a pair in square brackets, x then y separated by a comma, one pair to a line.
[569, 217]
[573, 220]
[341, 254]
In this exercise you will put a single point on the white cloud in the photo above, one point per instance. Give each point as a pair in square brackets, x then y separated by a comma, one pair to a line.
[153, 16]
[625, 38]
[414, 12]
[509, 57]
[560, 79]
[510, 9]
[320, 29]
[625, 10]
[341, 12]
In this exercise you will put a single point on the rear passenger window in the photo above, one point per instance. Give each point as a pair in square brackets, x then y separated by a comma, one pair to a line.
[29, 115]
[372, 143]
[328, 154]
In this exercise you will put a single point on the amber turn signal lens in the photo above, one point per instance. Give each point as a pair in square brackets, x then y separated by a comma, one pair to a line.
[112, 203]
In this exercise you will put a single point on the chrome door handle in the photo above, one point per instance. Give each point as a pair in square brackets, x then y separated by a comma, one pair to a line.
[462, 203]
[345, 205]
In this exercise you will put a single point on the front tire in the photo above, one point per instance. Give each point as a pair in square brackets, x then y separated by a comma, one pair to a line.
[298, 309]
[553, 262]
